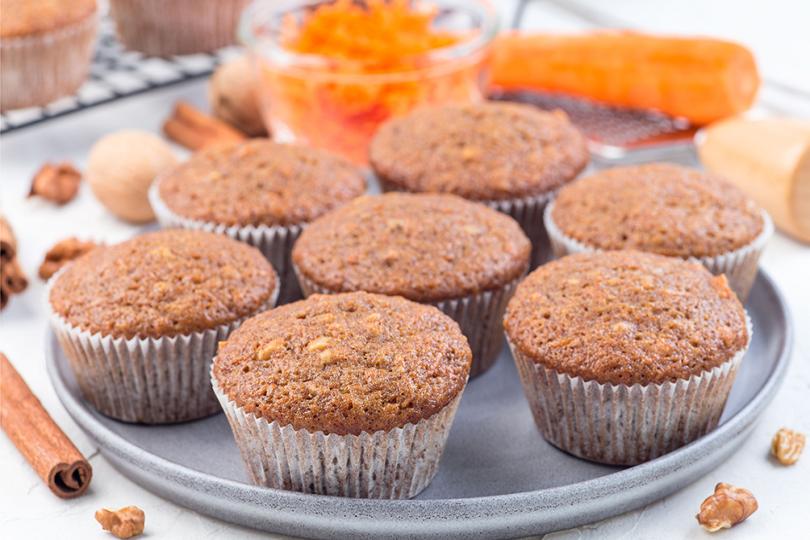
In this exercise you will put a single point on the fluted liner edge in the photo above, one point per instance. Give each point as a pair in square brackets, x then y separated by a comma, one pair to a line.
[739, 266]
[394, 464]
[621, 424]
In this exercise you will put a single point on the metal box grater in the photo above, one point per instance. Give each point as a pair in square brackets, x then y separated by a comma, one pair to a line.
[617, 135]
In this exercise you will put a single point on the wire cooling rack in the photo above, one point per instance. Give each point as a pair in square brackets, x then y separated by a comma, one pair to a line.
[614, 134]
[116, 73]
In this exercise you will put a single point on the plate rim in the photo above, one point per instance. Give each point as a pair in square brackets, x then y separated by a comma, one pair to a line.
[483, 516]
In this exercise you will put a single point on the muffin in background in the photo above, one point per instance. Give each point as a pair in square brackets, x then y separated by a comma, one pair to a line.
[45, 49]
[259, 192]
[348, 394]
[508, 156]
[169, 27]
[140, 321]
[666, 209]
[462, 257]
[623, 355]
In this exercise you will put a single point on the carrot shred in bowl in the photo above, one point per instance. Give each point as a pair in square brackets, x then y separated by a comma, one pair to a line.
[356, 64]
[380, 35]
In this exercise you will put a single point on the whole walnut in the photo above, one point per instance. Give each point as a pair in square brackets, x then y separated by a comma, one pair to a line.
[122, 166]
[233, 95]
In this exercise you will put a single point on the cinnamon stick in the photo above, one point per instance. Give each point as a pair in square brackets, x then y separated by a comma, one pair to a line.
[8, 242]
[43, 444]
[195, 130]
[12, 278]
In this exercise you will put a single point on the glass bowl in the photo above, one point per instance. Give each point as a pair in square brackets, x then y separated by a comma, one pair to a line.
[333, 103]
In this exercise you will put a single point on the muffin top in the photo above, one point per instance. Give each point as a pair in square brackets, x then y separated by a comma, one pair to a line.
[421, 246]
[163, 284]
[27, 17]
[626, 317]
[490, 151]
[345, 363]
[260, 182]
[658, 207]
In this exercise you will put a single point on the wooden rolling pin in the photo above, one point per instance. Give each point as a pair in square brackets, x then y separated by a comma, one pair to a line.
[770, 160]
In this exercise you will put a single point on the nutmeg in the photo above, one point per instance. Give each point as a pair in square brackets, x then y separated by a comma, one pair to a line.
[121, 168]
[233, 96]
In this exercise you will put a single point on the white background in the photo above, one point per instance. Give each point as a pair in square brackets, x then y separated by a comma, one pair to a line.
[778, 31]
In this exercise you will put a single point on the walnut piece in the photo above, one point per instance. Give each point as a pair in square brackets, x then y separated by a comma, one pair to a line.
[125, 522]
[728, 506]
[57, 183]
[787, 446]
[318, 344]
[267, 351]
[62, 253]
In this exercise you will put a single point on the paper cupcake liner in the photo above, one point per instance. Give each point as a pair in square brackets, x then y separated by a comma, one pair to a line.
[479, 316]
[394, 464]
[145, 380]
[527, 211]
[620, 424]
[163, 28]
[275, 242]
[40, 68]
[740, 266]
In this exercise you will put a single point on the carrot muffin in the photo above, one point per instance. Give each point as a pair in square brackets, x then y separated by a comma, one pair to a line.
[45, 49]
[169, 27]
[461, 256]
[348, 394]
[258, 192]
[625, 356]
[511, 157]
[140, 320]
[666, 209]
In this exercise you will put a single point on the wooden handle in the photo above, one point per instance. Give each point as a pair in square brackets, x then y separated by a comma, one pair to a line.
[43, 444]
[770, 160]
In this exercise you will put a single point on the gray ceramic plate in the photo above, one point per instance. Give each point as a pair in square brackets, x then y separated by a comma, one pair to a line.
[498, 477]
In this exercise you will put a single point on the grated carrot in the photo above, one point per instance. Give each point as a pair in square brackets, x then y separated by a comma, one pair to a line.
[375, 65]
[374, 36]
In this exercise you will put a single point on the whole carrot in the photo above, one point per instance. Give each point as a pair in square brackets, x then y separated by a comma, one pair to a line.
[700, 79]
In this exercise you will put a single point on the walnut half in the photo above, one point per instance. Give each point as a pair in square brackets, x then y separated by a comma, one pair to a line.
[787, 446]
[725, 508]
[57, 183]
[125, 522]
[62, 253]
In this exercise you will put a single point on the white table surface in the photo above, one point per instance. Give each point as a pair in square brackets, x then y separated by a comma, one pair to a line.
[28, 510]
